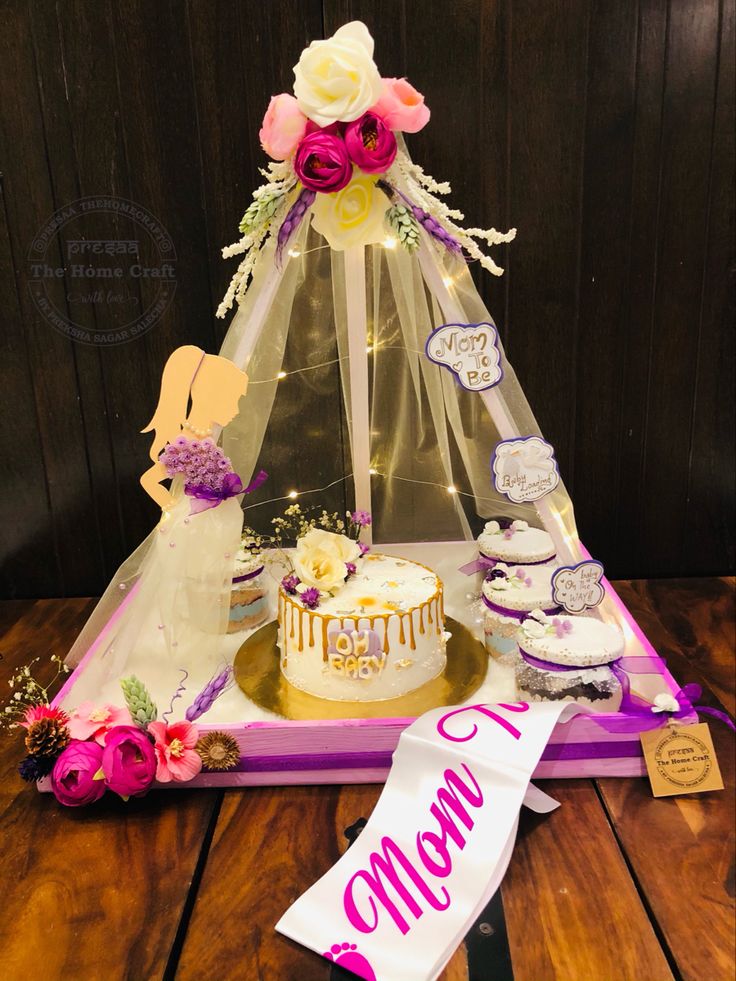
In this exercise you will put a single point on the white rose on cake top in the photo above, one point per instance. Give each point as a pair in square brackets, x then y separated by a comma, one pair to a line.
[322, 559]
[336, 80]
[518, 543]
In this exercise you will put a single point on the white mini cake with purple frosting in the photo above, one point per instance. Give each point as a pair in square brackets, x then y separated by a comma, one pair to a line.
[519, 543]
[571, 659]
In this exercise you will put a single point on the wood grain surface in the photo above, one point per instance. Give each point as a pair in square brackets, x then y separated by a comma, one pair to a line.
[187, 886]
[92, 895]
[602, 131]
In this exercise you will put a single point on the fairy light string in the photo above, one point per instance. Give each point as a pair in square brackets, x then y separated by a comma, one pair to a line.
[292, 495]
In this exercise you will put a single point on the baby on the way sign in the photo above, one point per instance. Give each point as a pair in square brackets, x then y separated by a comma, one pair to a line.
[437, 845]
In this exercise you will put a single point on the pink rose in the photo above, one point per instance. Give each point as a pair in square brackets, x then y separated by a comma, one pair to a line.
[74, 778]
[401, 107]
[128, 761]
[322, 162]
[89, 721]
[175, 755]
[371, 145]
[283, 126]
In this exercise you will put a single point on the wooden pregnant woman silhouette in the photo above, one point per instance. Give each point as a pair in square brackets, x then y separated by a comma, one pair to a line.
[166, 608]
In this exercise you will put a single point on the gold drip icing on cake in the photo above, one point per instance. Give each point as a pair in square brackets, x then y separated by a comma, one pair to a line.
[258, 674]
[296, 609]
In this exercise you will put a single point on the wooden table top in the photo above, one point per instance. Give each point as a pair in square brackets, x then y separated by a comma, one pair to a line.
[613, 886]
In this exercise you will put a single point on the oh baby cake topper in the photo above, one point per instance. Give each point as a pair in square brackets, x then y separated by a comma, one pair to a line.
[470, 351]
[524, 469]
[355, 653]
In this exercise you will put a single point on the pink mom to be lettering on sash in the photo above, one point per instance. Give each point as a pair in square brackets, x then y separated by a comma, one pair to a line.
[435, 849]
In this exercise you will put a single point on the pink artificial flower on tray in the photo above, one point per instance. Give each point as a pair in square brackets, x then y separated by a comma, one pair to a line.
[175, 754]
[76, 779]
[128, 761]
[90, 721]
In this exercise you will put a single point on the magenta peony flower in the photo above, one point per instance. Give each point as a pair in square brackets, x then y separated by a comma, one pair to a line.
[75, 779]
[128, 761]
[370, 143]
[175, 754]
[322, 162]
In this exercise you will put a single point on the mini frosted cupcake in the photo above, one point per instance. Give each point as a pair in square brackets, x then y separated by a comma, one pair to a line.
[509, 595]
[248, 599]
[519, 544]
[569, 658]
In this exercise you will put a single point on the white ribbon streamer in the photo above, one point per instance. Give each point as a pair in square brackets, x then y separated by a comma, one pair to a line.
[436, 847]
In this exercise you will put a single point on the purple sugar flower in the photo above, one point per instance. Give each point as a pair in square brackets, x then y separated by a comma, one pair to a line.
[310, 598]
[209, 694]
[351, 569]
[293, 220]
[362, 518]
[364, 549]
[290, 583]
[508, 533]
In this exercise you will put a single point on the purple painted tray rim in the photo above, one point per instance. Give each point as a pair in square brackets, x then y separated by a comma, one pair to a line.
[616, 753]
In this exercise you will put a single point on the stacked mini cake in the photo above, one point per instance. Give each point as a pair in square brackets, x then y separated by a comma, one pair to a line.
[509, 595]
[569, 658]
[520, 562]
[519, 544]
[248, 600]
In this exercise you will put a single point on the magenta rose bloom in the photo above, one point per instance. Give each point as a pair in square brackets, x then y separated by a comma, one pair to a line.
[128, 761]
[370, 143]
[322, 162]
[73, 777]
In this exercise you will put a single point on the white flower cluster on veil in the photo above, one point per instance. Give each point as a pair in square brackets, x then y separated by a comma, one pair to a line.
[336, 158]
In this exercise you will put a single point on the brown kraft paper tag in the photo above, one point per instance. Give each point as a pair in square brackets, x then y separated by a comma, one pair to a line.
[681, 760]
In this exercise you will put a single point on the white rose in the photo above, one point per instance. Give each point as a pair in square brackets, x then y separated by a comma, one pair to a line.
[323, 570]
[520, 526]
[336, 80]
[533, 629]
[341, 546]
[492, 528]
[353, 216]
[665, 702]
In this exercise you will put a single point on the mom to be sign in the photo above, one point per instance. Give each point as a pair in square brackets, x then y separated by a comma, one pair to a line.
[470, 351]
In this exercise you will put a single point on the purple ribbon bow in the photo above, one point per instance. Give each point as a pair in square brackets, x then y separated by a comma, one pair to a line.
[636, 713]
[205, 497]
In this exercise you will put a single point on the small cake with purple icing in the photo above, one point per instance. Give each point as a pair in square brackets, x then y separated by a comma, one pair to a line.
[519, 543]
[248, 599]
[509, 595]
[570, 659]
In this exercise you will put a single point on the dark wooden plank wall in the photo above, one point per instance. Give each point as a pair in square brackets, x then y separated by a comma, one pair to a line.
[603, 131]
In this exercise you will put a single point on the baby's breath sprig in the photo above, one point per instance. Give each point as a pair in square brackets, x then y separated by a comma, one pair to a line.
[28, 691]
[422, 190]
[259, 224]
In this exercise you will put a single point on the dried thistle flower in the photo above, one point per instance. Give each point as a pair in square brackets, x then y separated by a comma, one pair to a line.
[218, 751]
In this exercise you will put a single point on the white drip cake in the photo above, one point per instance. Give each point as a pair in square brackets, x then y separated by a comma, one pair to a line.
[379, 635]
